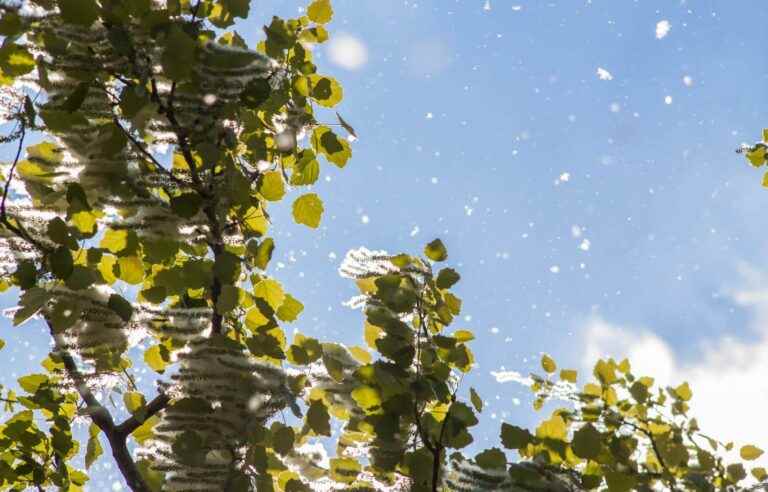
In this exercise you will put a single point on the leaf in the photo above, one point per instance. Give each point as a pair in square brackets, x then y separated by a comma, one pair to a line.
[263, 253]
[345, 470]
[757, 156]
[513, 437]
[569, 375]
[61, 262]
[750, 452]
[254, 319]
[186, 205]
[119, 305]
[436, 251]
[492, 459]
[282, 438]
[320, 11]
[328, 144]
[318, 419]
[272, 186]
[684, 392]
[447, 278]
[548, 364]
[82, 12]
[31, 301]
[15, 60]
[477, 402]
[290, 309]
[346, 125]
[154, 359]
[134, 401]
[32, 382]
[228, 299]
[367, 397]
[270, 291]
[308, 210]
[75, 100]
[587, 442]
[178, 54]
[462, 336]
[114, 241]
[131, 269]
[94, 449]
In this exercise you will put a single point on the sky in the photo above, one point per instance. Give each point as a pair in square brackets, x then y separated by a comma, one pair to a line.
[577, 159]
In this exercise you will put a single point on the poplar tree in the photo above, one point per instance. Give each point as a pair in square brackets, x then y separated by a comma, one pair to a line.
[136, 230]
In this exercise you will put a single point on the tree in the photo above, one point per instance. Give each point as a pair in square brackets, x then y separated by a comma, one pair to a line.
[113, 242]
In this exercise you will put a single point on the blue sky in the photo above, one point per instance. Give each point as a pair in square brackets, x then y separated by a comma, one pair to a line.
[486, 124]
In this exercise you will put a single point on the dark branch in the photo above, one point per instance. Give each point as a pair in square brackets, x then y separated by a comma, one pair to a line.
[103, 419]
[132, 423]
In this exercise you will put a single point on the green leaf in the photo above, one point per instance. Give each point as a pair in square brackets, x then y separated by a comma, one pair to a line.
[318, 419]
[587, 442]
[345, 470]
[15, 60]
[178, 56]
[548, 364]
[262, 253]
[320, 11]
[94, 449]
[346, 125]
[119, 305]
[228, 299]
[61, 262]
[756, 157]
[477, 402]
[492, 459]
[290, 309]
[186, 205]
[2, 344]
[282, 438]
[513, 437]
[308, 209]
[31, 301]
[750, 452]
[328, 144]
[447, 278]
[75, 100]
[272, 186]
[226, 268]
[436, 251]
[270, 291]
[82, 12]
[256, 93]
[31, 382]
[620, 482]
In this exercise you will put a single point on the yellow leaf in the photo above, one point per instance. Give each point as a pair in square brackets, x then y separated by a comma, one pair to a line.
[548, 364]
[362, 355]
[131, 269]
[114, 241]
[750, 452]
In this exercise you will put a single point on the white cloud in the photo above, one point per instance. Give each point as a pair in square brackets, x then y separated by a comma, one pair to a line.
[347, 52]
[728, 376]
[604, 74]
[662, 29]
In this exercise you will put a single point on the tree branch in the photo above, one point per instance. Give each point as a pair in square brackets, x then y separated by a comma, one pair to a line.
[157, 404]
[103, 419]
